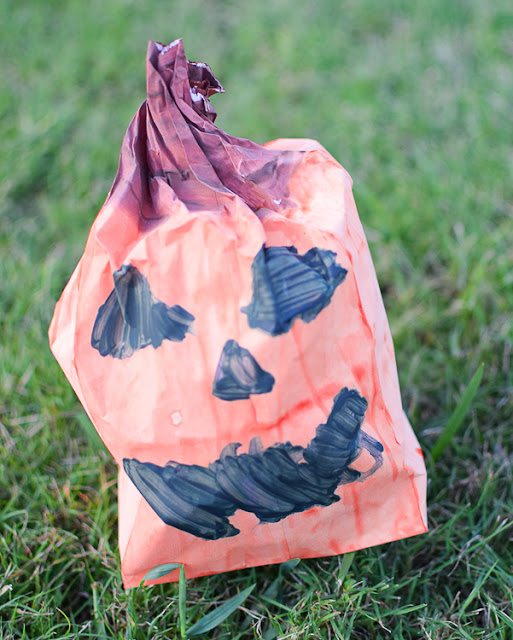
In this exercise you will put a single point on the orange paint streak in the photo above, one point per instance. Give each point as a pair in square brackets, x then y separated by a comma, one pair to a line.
[393, 463]
[329, 390]
[318, 400]
[358, 520]
[304, 404]
[417, 502]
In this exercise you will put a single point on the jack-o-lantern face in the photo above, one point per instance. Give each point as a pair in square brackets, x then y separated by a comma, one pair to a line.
[272, 482]
[225, 332]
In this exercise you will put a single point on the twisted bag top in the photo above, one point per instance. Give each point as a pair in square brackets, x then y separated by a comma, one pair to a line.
[224, 330]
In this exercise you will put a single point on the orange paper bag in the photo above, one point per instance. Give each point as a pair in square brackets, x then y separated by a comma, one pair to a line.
[225, 332]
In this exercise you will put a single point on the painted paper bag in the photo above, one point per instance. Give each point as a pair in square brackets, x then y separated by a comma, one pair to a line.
[225, 332]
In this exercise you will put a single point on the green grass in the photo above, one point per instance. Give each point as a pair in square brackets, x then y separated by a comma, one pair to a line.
[414, 99]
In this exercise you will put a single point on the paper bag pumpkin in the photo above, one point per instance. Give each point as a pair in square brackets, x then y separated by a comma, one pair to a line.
[225, 332]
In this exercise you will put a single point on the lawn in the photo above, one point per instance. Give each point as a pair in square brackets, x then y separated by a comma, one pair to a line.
[414, 99]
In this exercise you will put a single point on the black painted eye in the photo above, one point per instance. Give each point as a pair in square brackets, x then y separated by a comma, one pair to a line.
[132, 318]
[287, 286]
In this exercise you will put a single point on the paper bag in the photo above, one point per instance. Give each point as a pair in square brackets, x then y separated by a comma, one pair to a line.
[225, 332]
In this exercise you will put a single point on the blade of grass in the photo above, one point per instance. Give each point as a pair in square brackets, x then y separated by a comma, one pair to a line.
[345, 565]
[182, 592]
[454, 422]
[401, 611]
[160, 571]
[290, 564]
[274, 602]
[214, 618]
[500, 614]
[482, 579]
[98, 614]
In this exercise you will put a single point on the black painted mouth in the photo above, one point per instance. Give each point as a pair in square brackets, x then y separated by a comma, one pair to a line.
[272, 483]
